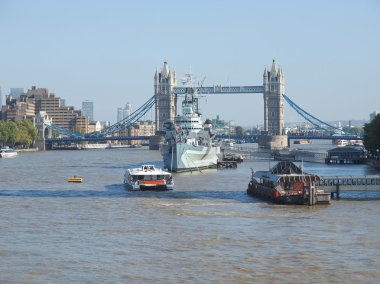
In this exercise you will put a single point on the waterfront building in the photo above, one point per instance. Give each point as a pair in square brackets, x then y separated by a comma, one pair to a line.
[35, 100]
[166, 101]
[220, 126]
[94, 126]
[64, 116]
[105, 124]
[1, 98]
[141, 128]
[16, 109]
[88, 109]
[346, 155]
[125, 112]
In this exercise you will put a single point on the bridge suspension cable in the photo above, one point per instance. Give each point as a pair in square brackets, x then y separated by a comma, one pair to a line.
[309, 117]
[121, 125]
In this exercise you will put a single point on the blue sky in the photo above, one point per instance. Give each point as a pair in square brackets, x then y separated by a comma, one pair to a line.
[108, 51]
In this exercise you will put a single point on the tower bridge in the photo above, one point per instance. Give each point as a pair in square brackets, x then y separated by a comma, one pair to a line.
[273, 88]
[165, 97]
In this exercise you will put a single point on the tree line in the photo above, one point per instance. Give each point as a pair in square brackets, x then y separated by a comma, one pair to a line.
[21, 133]
[372, 136]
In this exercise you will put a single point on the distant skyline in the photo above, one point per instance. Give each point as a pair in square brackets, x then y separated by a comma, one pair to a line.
[108, 52]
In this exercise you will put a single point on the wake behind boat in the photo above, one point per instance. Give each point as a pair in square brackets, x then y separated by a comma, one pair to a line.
[188, 142]
[147, 177]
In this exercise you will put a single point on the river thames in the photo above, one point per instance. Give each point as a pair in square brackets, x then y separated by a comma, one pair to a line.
[207, 230]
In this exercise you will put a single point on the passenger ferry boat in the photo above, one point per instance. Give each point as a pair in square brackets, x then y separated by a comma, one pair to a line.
[188, 141]
[286, 183]
[147, 177]
[7, 153]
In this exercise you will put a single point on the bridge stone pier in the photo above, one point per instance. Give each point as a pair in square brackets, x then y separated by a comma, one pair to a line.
[273, 88]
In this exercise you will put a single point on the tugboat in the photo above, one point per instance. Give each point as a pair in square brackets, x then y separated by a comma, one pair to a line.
[147, 177]
[286, 183]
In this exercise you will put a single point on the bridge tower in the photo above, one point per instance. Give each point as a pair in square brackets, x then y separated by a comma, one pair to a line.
[41, 122]
[166, 101]
[274, 88]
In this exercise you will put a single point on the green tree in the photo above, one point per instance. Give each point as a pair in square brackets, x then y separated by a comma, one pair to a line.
[13, 133]
[4, 133]
[28, 133]
[372, 135]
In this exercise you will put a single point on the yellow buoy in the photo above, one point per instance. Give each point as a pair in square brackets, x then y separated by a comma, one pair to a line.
[75, 179]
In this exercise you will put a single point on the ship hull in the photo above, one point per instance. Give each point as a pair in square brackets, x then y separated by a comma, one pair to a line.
[182, 157]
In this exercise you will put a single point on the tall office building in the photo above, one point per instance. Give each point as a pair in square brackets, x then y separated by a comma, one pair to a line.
[88, 109]
[124, 112]
[1, 98]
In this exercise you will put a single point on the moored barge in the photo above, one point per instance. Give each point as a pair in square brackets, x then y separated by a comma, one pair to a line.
[286, 183]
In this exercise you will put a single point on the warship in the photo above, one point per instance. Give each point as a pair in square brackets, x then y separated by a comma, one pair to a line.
[188, 141]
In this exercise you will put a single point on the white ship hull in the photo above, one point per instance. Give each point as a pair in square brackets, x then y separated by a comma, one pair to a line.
[182, 157]
[95, 146]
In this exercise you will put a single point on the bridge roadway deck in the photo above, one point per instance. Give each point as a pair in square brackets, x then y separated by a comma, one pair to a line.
[249, 138]
[81, 139]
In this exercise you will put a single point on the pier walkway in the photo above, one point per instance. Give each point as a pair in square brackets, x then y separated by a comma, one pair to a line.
[337, 184]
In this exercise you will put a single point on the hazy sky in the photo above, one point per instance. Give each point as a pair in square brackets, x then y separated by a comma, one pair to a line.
[108, 51]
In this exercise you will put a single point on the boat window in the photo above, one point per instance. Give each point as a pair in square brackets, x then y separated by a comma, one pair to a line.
[140, 177]
[373, 181]
[378, 181]
[349, 181]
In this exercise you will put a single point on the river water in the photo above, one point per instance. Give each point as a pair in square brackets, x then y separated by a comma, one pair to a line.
[207, 230]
